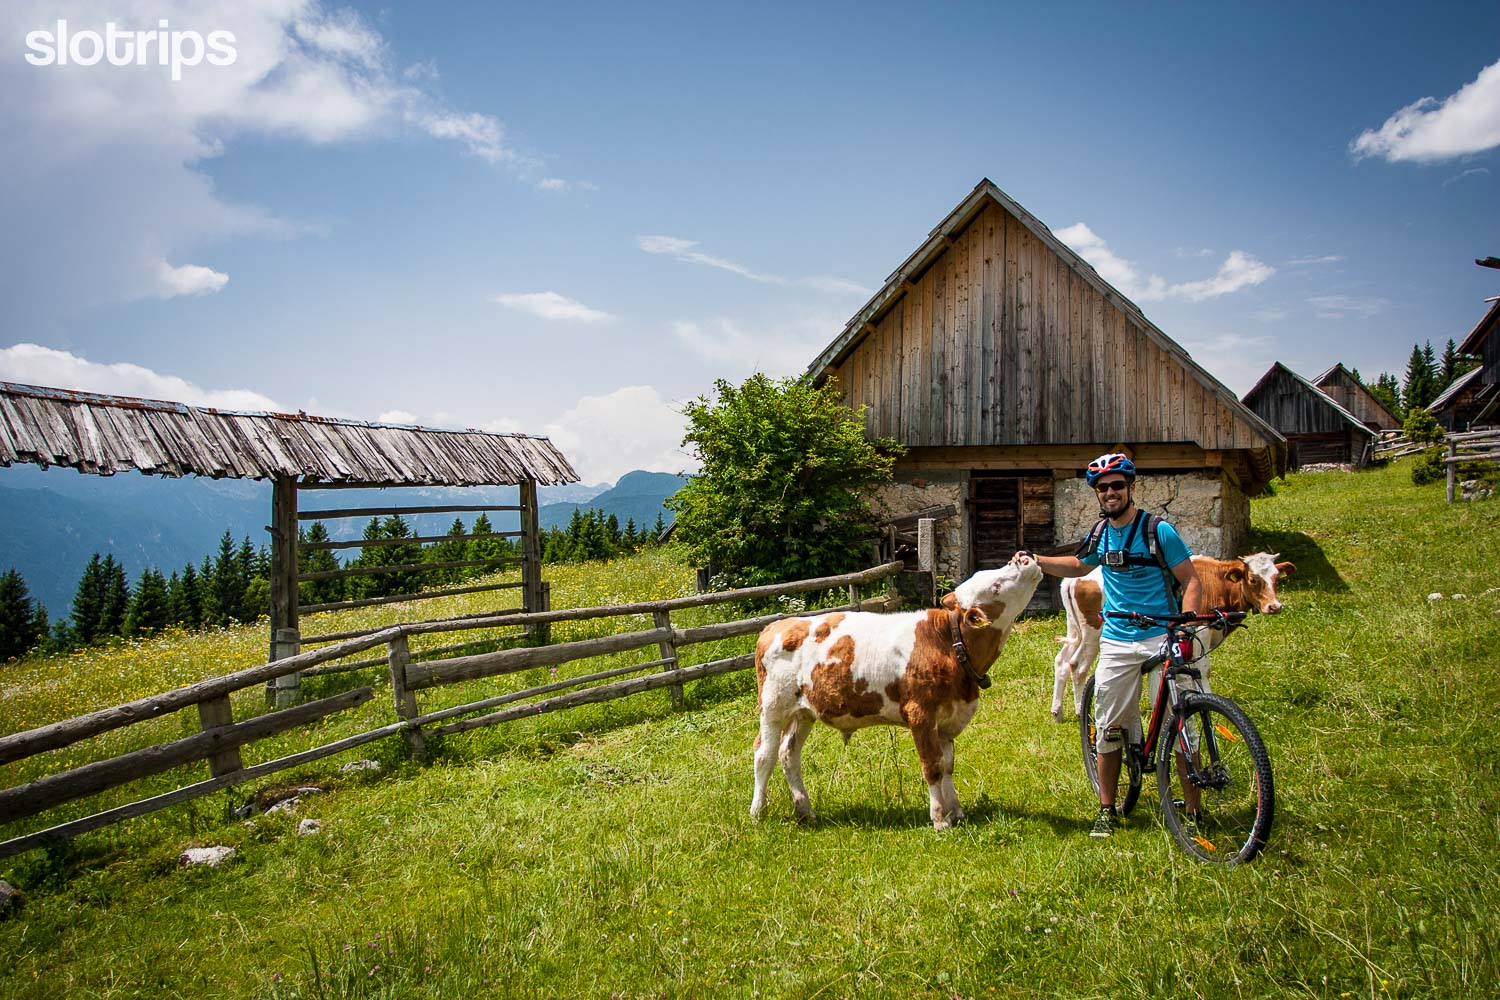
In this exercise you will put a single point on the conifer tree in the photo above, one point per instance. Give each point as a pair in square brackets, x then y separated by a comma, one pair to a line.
[629, 540]
[453, 548]
[22, 621]
[149, 610]
[370, 556]
[116, 604]
[318, 561]
[228, 583]
[492, 549]
[1388, 391]
[1421, 377]
[88, 603]
[406, 581]
[188, 608]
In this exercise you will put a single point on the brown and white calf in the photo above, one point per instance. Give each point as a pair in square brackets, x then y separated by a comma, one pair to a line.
[1244, 584]
[922, 670]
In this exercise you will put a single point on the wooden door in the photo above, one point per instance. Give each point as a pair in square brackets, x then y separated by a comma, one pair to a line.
[1010, 511]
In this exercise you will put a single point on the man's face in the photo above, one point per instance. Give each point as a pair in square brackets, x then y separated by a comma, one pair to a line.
[1114, 494]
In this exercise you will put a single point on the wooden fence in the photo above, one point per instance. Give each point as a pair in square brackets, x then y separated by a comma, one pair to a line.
[220, 738]
[1473, 446]
[1469, 446]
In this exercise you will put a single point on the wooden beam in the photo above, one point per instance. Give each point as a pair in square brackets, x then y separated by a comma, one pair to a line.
[364, 543]
[421, 595]
[55, 789]
[320, 515]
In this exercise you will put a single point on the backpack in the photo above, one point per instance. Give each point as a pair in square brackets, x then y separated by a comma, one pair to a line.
[1147, 523]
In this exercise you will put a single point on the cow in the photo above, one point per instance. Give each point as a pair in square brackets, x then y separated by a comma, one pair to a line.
[921, 669]
[1244, 584]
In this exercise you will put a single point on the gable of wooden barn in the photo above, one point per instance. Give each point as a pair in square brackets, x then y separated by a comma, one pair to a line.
[1317, 429]
[1005, 363]
[1340, 385]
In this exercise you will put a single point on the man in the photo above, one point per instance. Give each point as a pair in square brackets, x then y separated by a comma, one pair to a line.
[1133, 581]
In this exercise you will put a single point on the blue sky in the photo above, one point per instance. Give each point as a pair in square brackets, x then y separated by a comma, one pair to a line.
[568, 219]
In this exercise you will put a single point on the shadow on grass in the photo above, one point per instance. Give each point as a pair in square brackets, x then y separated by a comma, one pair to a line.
[1314, 571]
[985, 812]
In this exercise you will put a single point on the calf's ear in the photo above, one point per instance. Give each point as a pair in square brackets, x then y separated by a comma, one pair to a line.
[950, 601]
[1287, 568]
[1235, 575]
[976, 618]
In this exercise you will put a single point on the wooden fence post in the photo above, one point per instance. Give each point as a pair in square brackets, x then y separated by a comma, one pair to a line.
[285, 690]
[212, 714]
[667, 648]
[927, 545]
[1452, 467]
[406, 701]
[531, 560]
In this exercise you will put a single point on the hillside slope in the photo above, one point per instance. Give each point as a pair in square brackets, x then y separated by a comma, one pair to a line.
[607, 851]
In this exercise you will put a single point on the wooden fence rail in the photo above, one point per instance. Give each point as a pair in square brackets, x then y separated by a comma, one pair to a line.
[1473, 446]
[220, 738]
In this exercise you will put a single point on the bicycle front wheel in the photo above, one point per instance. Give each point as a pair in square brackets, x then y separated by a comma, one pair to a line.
[1130, 759]
[1212, 748]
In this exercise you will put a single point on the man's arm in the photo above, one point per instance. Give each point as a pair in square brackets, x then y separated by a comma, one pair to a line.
[1067, 565]
[1192, 590]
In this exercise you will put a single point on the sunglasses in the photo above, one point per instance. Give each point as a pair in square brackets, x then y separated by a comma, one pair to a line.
[1117, 486]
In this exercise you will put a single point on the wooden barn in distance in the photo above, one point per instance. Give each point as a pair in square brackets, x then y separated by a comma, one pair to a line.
[1317, 429]
[1477, 402]
[1340, 385]
[1005, 363]
[105, 434]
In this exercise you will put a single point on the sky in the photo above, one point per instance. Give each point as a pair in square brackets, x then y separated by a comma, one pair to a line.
[570, 219]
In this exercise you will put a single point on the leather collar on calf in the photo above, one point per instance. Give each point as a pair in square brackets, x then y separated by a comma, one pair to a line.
[961, 652]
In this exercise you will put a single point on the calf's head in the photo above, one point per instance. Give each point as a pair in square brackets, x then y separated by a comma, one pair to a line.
[1001, 594]
[1260, 576]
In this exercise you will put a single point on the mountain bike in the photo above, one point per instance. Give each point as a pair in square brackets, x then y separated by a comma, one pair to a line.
[1210, 747]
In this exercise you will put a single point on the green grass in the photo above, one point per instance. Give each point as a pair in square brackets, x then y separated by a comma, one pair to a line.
[607, 851]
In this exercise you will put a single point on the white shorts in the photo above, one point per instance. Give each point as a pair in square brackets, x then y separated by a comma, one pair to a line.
[1117, 690]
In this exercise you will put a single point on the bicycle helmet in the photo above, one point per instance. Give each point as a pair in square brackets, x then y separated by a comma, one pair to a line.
[1112, 462]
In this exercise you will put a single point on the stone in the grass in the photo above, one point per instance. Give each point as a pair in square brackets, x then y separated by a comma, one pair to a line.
[211, 856]
[309, 826]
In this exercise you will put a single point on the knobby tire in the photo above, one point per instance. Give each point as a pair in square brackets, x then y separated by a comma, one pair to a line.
[1240, 802]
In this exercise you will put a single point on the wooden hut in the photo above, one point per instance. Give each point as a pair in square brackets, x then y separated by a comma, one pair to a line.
[1466, 403]
[1483, 342]
[1340, 385]
[103, 434]
[1005, 363]
[1317, 429]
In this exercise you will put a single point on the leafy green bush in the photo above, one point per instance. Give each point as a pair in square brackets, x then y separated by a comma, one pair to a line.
[1429, 468]
[1422, 427]
[781, 494]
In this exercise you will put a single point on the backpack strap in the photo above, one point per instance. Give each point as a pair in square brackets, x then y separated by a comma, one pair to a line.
[1174, 588]
[1090, 543]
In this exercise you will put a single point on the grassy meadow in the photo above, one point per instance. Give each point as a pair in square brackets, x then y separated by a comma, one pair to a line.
[607, 851]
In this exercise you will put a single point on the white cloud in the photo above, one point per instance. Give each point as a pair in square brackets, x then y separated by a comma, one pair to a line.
[673, 246]
[189, 279]
[1428, 130]
[784, 348]
[1234, 359]
[561, 185]
[681, 249]
[1344, 306]
[1331, 258]
[397, 417]
[36, 365]
[1471, 172]
[634, 427]
[551, 305]
[1239, 270]
[104, 164]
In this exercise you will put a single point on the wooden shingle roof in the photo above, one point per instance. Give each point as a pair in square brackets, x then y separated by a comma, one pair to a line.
[103, 434]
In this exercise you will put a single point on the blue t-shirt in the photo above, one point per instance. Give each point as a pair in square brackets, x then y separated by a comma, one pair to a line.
[1136, 588]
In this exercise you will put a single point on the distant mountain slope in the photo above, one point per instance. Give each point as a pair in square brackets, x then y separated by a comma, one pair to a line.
[52, 520]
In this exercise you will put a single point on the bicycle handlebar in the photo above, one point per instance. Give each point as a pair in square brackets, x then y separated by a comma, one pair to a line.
[1215, 619]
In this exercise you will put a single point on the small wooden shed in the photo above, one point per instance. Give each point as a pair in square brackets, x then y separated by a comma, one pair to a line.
[1317, 429]
[104, 434]
[1005, 363]
[1340, 385]
[1483, 342]
[1466, 403]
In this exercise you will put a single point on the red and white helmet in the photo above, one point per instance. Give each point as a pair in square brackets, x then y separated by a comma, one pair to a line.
[1112, 462]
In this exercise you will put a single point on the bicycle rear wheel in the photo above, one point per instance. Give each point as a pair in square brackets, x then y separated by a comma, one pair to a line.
[1131, 763]
[1233, 769]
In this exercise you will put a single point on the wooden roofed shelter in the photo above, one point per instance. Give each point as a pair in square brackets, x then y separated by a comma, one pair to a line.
[1005, 363]
[104, 434]
[1317, 429]
[1483, 342]
[1340, 385]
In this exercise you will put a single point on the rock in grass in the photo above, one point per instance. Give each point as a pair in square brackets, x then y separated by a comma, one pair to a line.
[10, 897]
[285, 805]
[308, 827]
[361, 765]
[211, 856]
